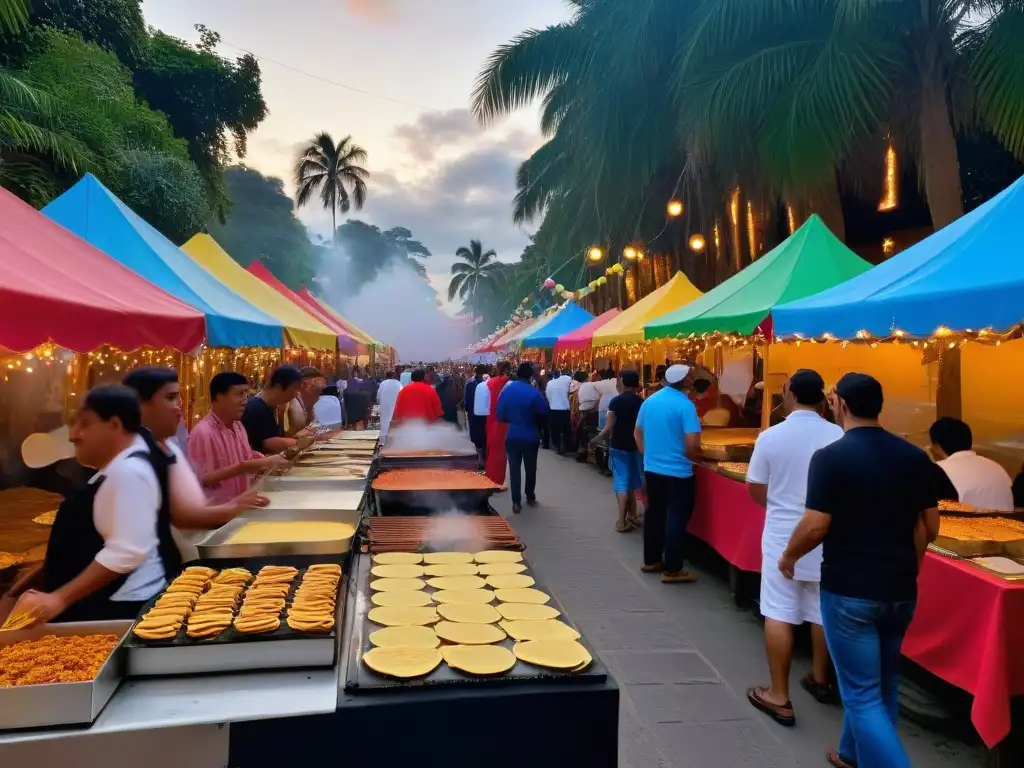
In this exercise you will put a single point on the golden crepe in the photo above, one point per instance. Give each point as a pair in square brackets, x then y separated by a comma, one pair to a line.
[401, 599]
[438, 558]
[464, 596]
[397, 571]
[402, 617]
[469, 634]
[397, 585]
[479, 659]
[468, 614]
[398, 558]
[47, 518]
[499, 569]
[451, 569]
[456, 582]
[510, 581]
[402, 661]
[527, 611]
[412, 636]
[275, 531]
[498, 556]
[522, 596]
[550, 629]
[553, 654]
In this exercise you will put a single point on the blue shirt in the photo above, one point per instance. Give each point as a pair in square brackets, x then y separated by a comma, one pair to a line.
[520, 405]
[665, 418]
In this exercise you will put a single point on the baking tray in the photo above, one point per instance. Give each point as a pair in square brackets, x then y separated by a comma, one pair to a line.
[304, 483]
[231, 651]
[216, 547]
[361, 679]
[969, 547]
[446, 461]
[326, 500]
[996, 573]
[390, 503]
[51, 704]
[456, 533]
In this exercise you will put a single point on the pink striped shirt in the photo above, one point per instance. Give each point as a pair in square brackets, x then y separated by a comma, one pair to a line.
[213, 445]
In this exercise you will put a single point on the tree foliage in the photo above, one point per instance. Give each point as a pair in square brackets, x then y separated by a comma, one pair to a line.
[332, 171]
[366, 251]
[476, 276]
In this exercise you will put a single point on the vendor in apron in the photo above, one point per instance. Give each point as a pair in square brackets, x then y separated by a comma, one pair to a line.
[110, 548]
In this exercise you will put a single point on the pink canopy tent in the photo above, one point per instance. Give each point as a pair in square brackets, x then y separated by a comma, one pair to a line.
[497, 344]
[581, 337]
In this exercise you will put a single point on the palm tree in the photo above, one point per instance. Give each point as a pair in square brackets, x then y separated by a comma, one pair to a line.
[13, 15]
[476, 275]
[333, 170]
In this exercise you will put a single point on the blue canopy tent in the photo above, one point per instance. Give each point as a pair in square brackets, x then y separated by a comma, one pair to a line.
[568, 319]
[967, 276]
[95, 214]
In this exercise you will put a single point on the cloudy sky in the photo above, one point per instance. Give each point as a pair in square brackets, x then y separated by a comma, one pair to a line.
[410, 66]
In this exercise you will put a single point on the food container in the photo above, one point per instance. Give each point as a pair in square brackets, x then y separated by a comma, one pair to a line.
[349, 500]
[403, 492]
[51, 704]
[218, 546]
[982, 536]
[728, 444]
[1003, 567]
[303, 482]
[447, 533]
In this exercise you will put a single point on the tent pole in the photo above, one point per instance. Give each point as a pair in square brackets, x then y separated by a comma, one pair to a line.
[766, 398]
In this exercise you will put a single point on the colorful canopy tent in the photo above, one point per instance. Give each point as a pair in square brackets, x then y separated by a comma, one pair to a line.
[505, 339]
[95, 214]
[301, 330]
[628, 327]
[968, 275]
[807, 262]
[582, 336]
[55, 287]
[570, 318]
[354, 330]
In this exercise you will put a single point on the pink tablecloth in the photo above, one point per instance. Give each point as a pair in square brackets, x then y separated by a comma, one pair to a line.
[968, 628]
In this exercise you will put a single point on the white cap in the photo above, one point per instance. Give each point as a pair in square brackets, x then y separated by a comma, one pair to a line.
[676, 373]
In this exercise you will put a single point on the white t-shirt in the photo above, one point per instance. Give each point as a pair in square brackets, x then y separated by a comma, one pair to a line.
[607, 388]
[405, 378]
[482, 400]
[590, 396]
[557, 392]
[781, 459]
[185, 489]
[980, 482]
[327, 410]
[387, 396]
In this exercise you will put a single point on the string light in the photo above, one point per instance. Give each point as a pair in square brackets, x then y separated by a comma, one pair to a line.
[791, 219]
[674, 208]
[629, 253]
[888, 246]
[752, 231]
[595, 254]
[890, 197]
[697, 243]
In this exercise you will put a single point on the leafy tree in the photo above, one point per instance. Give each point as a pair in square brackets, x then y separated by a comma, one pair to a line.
[475, 277]
[363, 251]
[334, 172]
[166, 189]
[13, 14]
[114, 25]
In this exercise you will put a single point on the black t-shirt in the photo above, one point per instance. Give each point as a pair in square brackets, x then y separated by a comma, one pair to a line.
[260, 423]
[625, 407]
[874, 485]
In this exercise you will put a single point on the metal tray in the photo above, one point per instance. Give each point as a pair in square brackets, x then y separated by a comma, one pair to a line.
[37, 706]
[216, 546]
[454, 461]
[970, 547]
[304, 483]
[431, 502]
[325, 500]
[361, 679]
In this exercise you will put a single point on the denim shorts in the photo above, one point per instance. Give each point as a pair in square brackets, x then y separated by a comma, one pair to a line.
[627, 470]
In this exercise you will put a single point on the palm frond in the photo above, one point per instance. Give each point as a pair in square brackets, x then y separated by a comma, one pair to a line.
[998, 72]
[13, 15]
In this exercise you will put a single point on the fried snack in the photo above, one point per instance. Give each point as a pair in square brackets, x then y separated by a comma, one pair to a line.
[550, 629]
[418, 637]
[332, 568]
[534, 596]
[553, 654]
[498, 556]
[479, 659]
[510, 581]
[469, 614]
[201, 570]
[403, 662]
[9, 560]
[53, 659]
[397, 558]
[252, 625]
[984, 529]
[402, 599]
[233, 576]
[469, 634]
[310, 625]
[18, 620]
[464, 596]
[500, 569]
[427, 479]
[164, 633]
[527, 612]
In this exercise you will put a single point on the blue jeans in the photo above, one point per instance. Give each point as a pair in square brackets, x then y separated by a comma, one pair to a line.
[522, 455]
[864, 639]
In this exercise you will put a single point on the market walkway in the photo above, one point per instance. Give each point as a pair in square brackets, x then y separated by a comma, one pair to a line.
[683, 655]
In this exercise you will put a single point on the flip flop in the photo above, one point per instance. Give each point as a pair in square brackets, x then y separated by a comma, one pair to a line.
[636, 522]
[781, 714]
[823, 693]
[657, 567]
[836, 760]
[624, 528]
[680, 577]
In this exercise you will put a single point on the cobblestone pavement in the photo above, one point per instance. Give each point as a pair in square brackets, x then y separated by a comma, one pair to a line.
[683, 655]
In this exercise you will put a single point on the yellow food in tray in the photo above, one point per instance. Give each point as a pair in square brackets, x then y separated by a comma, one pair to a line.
[273, 532]
[981, 529]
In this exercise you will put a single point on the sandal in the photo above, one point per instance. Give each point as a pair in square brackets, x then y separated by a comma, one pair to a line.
[836, 760]
[823, 693]
[678, 577]
[637, 522]
[625, 527]
[781, 714]
[657, 567]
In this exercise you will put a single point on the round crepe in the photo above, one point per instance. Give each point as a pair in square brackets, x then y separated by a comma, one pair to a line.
[397, 585]
[411, 637]
[402, 617]
[403, 661]
[522, 596]
[479, 659]
[440, 558]
[398, 558]
[397, 571]
[526, 611]
[550, 629]
[464, 596]
[511, 581]
[457, 582]
[401, 599]
[469, 614]
[451, 569]
[553, 654]
[499, 569]
[469, 634]
[498, 556]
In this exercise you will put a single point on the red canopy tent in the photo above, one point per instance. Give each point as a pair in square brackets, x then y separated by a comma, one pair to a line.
[55, 287]
[357, 332]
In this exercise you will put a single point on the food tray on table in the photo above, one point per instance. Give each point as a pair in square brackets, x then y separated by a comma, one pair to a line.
[219, 545]
[978, 536]
[728, 443]
[426, 490]
[362, 679]
[70, 703]
[233, 651]
[304, 483]
[326, 500]
[414, 534]
[1004, 568]
[734, 470]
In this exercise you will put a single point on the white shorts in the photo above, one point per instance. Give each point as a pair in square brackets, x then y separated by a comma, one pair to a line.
[788, 600]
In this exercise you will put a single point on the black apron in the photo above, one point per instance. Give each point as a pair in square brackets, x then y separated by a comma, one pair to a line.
[75, 542]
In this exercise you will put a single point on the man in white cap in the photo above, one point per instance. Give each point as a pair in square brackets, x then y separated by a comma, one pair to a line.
[668, 435]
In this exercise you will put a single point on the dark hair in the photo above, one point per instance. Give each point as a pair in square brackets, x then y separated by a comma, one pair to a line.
[579, 376]
[389, 375]
[331, 390]
[630, 379]
[607, 373]
[116, 401]
[862, 395]
[309, 372]
[807, 387]
[480, 370]
[222, 383]
[285, 376]
[525, 371]
[419, 375]
[951, 435]
[504, 368]
[148, 381]
[659, 372]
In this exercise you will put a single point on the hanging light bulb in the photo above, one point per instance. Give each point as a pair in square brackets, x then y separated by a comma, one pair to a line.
[629, 253]
[595, 254]
[674, 208]
[697, 243]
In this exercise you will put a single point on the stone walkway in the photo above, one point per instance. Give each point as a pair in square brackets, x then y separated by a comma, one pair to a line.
[683, 655]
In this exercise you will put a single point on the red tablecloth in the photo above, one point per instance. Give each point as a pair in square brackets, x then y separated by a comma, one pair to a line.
[980, 650]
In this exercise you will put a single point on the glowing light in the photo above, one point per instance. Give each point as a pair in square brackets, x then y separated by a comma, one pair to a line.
[697, 243]
[595, 254]
[890, 183]
[674, 208]
[888, 246]
[752, 230]
[629, 253]
[791, 219]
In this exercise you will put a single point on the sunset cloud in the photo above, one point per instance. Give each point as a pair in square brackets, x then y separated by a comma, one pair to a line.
[377, 10]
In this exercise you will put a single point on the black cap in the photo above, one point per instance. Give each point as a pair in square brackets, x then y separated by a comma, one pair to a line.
[862, 395]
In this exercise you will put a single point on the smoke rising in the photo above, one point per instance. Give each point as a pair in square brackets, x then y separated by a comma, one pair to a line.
[421, 436]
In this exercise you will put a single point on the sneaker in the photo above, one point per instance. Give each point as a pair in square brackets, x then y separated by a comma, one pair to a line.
[516, 509]
[657, 567]
[679, 577]
[531, 502]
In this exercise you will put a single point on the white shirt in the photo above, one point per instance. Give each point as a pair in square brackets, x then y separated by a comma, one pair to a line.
[387, 396]
[327, 410]
[590, 396]
[980, 482]
[125, 513]
[607, 388]
[557, 392]
[405, 378]
[482, 400]
[185, 490]
[781, 459]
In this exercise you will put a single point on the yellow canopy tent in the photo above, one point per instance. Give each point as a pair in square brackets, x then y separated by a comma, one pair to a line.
[628, 328]
[300, 328]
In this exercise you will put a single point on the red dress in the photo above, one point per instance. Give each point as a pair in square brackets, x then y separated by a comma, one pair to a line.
[497, 462]
[417, 400]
